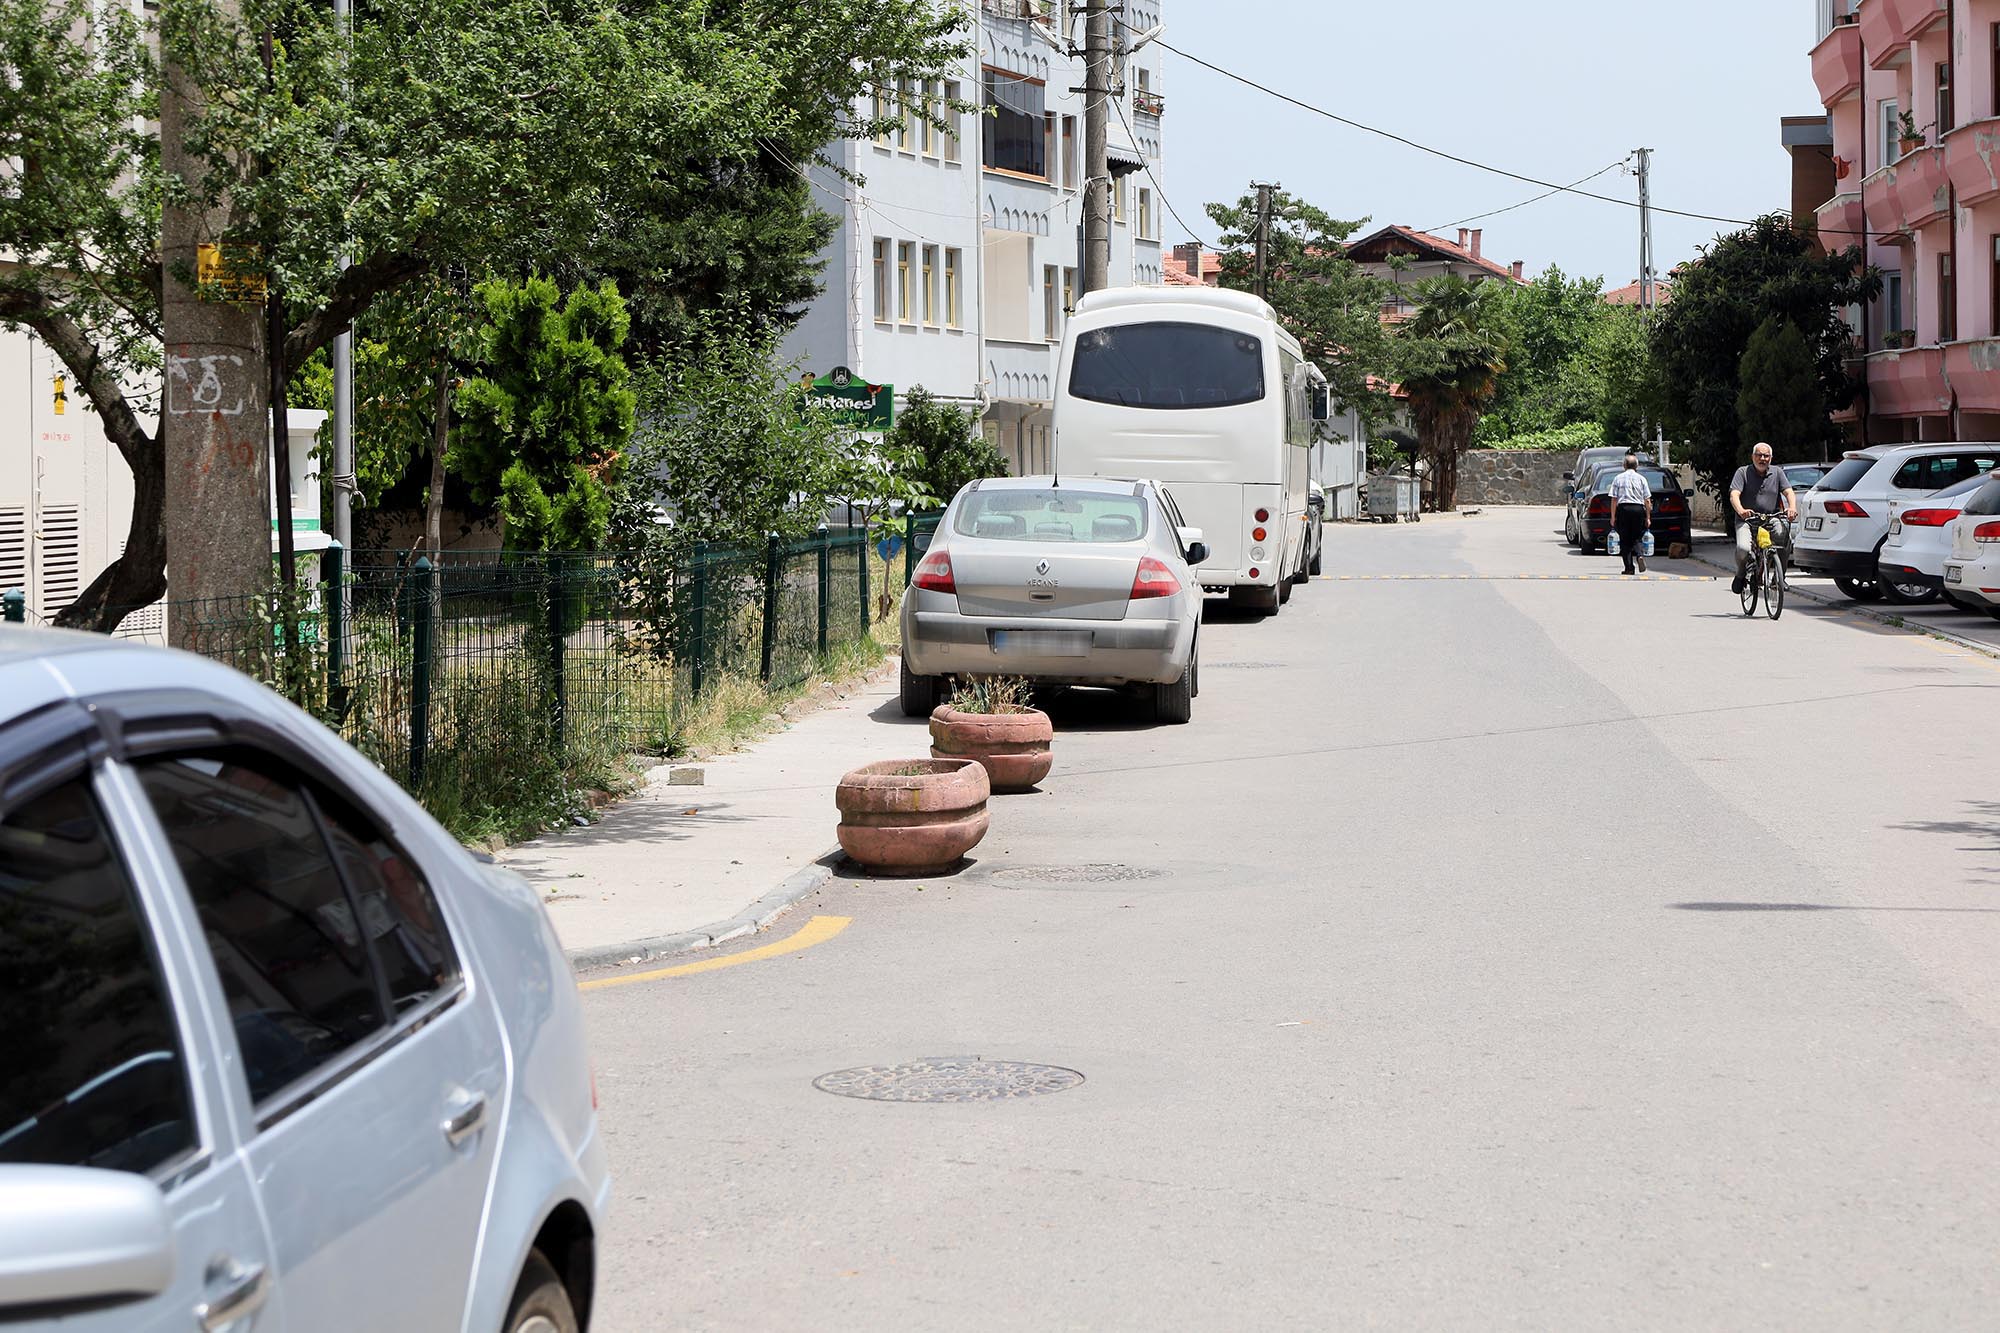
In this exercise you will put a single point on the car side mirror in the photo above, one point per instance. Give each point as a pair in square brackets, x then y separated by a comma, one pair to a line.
[1197, 553]
[1322, 403]
[75, 1237]
[1569, 476]
[1688, 493]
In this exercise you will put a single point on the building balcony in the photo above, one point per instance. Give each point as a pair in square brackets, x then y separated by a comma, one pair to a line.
[1973, 368]
[1836, 64]
[1149, 104]
[1882, 35]
[1841, 222]
[1884, 210]
[1914, 18]
[1972, 159]
[1021, 370]
[1923, 190]
[1908, 383]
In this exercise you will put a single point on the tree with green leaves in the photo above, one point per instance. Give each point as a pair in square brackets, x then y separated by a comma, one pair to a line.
[1554, 376]
[647, 140]
[1328, 302]
[1780, 400]
[1450, 355]
[1770, 269]
[945, 444]
[546, 412]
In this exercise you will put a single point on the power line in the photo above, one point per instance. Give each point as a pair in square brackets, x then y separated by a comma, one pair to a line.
[1525, 202]
[1157, 187]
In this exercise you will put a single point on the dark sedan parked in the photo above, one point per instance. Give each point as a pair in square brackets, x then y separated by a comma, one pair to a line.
[1672, 518]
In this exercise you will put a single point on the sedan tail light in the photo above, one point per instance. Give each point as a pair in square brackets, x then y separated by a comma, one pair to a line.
[1986, 532]
[934, 574]
[1600, 505]
[1928, 518]
[1153, 580]
[1845, 509]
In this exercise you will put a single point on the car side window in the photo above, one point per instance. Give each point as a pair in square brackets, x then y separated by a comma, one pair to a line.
[398, 914]
[94, 1072]
[1910, 476]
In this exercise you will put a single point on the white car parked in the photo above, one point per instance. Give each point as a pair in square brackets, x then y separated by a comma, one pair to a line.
[1844, 520]
[1919, 540]
[1973, 572]
[279, 1053]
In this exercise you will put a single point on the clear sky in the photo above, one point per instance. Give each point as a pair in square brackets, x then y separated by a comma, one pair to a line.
[1552, 89]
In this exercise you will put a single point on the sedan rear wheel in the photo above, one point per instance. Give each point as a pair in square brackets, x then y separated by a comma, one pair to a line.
[1906, 594]
[541, 1302]
[1174, 704]
[1861, 590]
[920, 694]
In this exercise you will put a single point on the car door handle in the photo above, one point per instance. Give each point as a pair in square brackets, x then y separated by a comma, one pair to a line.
[466, 1121]
[249, 1287]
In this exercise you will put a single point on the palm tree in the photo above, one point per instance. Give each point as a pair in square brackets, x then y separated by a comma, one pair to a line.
[1451, 354]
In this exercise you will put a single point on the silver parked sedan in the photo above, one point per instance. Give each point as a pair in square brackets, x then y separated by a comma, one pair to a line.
[1067, 581]
[279, 1053]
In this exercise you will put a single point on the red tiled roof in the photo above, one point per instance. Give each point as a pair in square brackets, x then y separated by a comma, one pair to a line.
[1450, 251]
[1663, 292]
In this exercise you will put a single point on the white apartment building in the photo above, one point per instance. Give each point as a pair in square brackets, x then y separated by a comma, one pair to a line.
[959, 251]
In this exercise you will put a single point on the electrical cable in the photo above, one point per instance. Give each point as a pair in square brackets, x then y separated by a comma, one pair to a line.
[1158, 189]
[1547, 194]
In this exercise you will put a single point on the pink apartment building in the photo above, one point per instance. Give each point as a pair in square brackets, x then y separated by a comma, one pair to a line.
[1929, 211]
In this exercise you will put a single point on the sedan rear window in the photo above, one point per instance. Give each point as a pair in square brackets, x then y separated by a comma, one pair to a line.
[1168, 366]
[1052, 515]
[1985, 500]
[1845, 473]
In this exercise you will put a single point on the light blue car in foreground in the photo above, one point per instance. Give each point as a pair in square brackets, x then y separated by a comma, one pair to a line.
[278, 1052]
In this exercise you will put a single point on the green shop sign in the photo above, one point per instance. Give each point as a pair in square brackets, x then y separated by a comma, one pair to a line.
[853, 401]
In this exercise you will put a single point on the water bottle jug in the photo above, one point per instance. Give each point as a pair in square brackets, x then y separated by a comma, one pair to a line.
[1613, 545]
[1646, 546]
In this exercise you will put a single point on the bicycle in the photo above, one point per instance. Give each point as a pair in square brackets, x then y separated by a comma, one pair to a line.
[1765, 577]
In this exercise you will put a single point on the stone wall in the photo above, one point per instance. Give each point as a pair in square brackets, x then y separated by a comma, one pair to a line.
[1512, 477]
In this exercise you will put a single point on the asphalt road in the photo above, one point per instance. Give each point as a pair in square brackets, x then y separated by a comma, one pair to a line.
[1490, 951]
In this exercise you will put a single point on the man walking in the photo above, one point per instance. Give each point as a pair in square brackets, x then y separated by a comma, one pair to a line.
[1757, 488]
[1633, 511]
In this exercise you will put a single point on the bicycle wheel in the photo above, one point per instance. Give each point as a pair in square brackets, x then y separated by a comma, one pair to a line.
[1774, 585]
[1753, 571]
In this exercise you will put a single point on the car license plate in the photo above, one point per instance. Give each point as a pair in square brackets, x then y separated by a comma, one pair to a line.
[1042, 642]
[1814, 523]
[1954, 574]
[1895, 527]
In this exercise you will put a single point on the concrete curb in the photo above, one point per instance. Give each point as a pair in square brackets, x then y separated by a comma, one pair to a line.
[1891, 618]
[746, 922]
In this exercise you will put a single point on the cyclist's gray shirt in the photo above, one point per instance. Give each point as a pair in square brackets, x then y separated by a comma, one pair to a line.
[1765, 494]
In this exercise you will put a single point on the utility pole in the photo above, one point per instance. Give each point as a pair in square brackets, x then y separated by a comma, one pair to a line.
[1263, 235]
[1649, 298]
[1096, 158]
[213, 421]
[342, 352]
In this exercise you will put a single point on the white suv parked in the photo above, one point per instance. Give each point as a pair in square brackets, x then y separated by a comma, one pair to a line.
[1845, 518]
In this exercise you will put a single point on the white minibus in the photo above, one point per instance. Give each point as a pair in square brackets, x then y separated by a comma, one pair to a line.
[1201, 389]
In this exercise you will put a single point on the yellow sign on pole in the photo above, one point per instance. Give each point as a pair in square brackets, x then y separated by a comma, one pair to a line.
[61, 395]
[232, 271]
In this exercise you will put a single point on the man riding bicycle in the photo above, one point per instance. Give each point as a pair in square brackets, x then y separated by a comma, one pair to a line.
[1758, 488]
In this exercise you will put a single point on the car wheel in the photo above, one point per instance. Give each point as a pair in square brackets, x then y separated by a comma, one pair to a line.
[919, 693]
[541, 1302]
[1569, 527]
[1861, 590]
[1319, 552]
[1285, 589]
[1174, 704]
[1906, 594]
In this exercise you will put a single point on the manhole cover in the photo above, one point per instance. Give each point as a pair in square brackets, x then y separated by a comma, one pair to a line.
[944, 1079]
[1084, 874]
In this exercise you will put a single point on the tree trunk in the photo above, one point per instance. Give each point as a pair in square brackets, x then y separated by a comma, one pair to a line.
[214, 419]
[440, 438]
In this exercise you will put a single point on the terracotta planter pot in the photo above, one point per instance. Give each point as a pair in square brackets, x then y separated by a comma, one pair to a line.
[912, 816]
[1013, 747]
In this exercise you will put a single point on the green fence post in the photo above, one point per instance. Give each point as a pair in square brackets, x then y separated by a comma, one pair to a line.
[825, 582]
[16, 603]
[909, 547]
[418, 589]
[867, 616]
[332, 568]
[697, 622]
[558, 590]
[773, 558]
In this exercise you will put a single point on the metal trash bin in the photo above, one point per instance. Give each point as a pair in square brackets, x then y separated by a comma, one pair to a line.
[1394, 496]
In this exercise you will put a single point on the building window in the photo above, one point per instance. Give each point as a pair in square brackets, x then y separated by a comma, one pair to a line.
[1944, 107]
[878, 111]
[1891, 131]
[930, 285]
[881, 280]
[1892, 301]
[1069, 152]
[954, 315]
[906, 131]
[948, 138]
[1051, 304]
[1947, 301]
[1011, 139]
[1993, 315]
[1118, 199]
[927, 132]
[1146, 218]
[1069, 289]
[906, 300]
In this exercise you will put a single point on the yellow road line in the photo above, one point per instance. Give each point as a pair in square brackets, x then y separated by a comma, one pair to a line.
[816, 931]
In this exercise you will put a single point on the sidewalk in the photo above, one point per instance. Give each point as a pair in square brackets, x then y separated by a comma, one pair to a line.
[680, 867]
